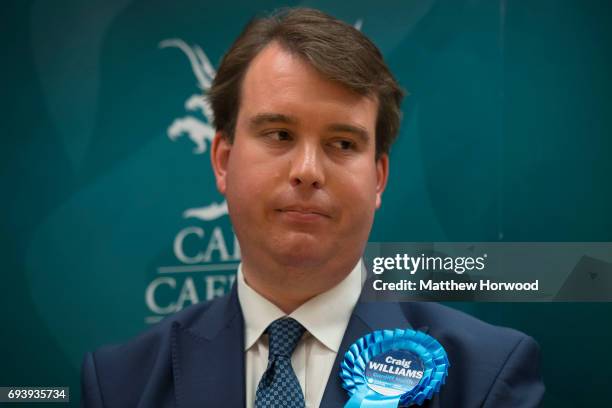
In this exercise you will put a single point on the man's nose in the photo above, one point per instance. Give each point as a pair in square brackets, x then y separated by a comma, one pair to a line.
[307, 167]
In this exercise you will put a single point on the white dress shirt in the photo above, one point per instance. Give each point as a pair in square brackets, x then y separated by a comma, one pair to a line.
[325, 318]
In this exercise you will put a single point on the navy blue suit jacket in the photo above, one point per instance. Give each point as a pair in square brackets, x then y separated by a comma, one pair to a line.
[195, 358]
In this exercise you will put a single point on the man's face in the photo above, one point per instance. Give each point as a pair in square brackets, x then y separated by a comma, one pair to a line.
[301, 179]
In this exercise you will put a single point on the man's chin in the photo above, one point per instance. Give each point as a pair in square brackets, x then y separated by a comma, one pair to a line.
[304, 252]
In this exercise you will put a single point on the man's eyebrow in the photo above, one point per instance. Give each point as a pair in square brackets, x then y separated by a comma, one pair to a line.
[266, 117]
[263, 118]
[356, 130]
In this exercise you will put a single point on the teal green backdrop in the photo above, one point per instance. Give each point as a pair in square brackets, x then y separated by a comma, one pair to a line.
[110, 219]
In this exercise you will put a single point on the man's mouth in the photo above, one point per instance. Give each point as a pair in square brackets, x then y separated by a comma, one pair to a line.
[302, 213]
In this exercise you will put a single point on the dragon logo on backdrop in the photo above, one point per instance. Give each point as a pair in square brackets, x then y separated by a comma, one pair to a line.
[207, 253]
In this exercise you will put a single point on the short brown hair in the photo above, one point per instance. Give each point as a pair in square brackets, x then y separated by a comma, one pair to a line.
[337, 50]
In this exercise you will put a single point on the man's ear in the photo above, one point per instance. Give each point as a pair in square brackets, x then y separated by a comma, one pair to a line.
[219, 158]
[382, 175]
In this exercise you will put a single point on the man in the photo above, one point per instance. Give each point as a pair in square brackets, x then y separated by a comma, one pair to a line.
[305, 111]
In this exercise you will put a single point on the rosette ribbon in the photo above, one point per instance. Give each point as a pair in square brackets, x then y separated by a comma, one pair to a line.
[429, 351]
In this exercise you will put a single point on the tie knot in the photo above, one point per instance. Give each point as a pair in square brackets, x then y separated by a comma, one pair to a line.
[284, 335]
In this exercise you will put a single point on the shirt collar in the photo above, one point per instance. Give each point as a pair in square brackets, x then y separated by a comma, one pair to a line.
[325, 316]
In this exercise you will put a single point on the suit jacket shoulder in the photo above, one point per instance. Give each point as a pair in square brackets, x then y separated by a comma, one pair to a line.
[491, 366]
[146, 371]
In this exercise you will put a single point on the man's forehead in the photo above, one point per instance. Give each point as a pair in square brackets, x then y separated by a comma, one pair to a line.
[277, 79]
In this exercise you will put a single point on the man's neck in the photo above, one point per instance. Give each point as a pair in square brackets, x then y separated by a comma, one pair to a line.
[285, 303]
[294, 286]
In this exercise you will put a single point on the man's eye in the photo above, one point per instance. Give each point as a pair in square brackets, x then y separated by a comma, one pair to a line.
[343, 144]
[280, 135]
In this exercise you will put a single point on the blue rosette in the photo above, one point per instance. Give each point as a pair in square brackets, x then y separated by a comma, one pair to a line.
[391, 368]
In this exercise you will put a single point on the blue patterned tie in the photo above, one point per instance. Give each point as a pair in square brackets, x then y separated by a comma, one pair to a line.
[279, 387]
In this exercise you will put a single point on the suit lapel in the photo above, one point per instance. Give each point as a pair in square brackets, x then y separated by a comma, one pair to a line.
[366, 318]
[208, 357]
